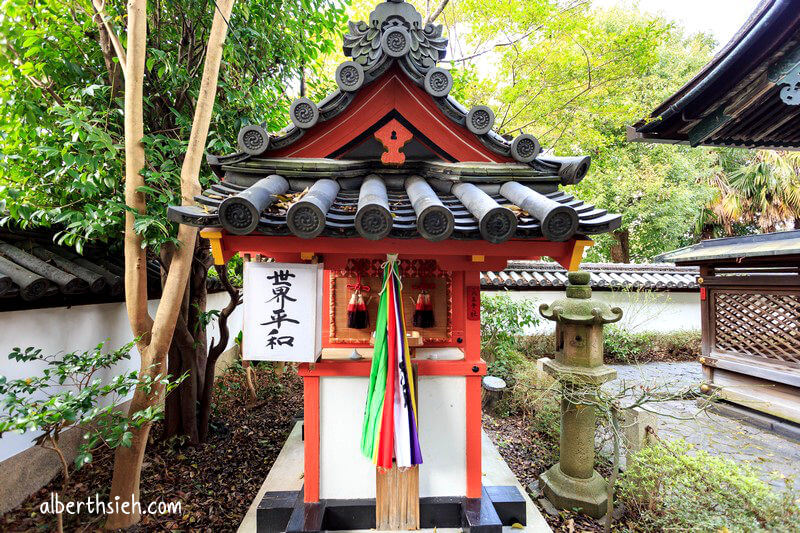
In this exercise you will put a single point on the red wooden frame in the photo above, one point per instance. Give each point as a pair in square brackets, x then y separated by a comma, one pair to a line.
[311, 438]
[473, 255]
[472, 368]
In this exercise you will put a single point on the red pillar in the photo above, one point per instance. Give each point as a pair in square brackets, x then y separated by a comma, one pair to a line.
[311, 438]
[472, 352]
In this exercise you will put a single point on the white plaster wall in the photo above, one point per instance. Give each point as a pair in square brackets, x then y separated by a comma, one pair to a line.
[343, 471]
[77, 328]
[346, 473]
[642, 311]
[443, 435]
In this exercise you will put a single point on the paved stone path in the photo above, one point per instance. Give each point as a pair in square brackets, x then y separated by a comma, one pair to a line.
[774, 456]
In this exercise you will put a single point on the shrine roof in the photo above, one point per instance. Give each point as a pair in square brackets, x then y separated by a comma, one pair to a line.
[394, 47]
[383, 204]
[392, 154]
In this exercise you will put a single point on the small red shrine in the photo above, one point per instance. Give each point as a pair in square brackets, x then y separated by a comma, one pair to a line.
[390, 163]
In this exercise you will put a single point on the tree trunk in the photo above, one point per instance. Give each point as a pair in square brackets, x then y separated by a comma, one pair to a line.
[114, 69]
[156, 335]
[251, 385]
[128, 468]
[620, 250]
[216, 350]
[188, 351]
[135, 255]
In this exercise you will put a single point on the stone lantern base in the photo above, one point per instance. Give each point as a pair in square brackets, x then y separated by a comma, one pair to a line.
[589, 496]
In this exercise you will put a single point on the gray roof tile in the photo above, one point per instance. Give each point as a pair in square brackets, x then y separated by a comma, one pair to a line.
[539, 275]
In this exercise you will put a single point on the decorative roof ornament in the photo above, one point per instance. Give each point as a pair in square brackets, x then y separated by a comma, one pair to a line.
[395, 30]
[395, 35]
[790, 90]
[253, 139]
[304, 113]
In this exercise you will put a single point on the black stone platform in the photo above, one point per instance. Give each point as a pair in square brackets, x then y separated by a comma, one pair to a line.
[497, 507]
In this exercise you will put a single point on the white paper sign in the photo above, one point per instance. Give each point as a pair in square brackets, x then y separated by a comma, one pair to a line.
[282, 312]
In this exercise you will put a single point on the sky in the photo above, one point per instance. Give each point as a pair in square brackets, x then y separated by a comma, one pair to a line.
[721, 18]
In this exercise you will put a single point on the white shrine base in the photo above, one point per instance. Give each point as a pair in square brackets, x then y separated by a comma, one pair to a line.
[287, 475]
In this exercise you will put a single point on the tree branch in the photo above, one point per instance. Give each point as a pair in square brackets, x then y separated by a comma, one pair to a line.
[135, 254]
[436, 12]
[190, 184]
[118, 48]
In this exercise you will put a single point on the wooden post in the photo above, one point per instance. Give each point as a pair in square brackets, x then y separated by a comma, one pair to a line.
[397, 498]
[397, 492]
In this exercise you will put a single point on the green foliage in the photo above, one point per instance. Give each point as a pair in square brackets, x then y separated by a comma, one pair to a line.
[61, 148]
[670, 486]
[537, 398]
[576, 76]
[621, 345]
[624, 347]
[755, 191]
[502, 320]
[69, 393]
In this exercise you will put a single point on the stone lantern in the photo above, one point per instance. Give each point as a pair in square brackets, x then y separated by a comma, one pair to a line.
[578, 366]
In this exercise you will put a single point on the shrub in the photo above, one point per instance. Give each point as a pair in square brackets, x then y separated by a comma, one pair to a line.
[536, 399]
[536, 345]
[502, 321]
[670, 486]
[68, 394]
[622, 346]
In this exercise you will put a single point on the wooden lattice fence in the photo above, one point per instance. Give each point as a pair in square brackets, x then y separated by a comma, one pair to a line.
[751, 335]
[761, 323]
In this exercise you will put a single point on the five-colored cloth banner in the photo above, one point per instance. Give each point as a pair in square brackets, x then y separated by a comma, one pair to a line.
[390, 418]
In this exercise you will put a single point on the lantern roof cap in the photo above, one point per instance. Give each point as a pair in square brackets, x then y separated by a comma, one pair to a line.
[579, 307]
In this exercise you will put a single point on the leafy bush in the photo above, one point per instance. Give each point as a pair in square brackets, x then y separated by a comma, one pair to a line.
[537, 345]
[622, 346]
[69, 393]
[502, 321]
[670, 486]
[536, 398]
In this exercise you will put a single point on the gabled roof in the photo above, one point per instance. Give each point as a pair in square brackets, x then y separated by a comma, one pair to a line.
[748, 95]
[538, 275]
[397, 51]
[763, 248]
[391, 154]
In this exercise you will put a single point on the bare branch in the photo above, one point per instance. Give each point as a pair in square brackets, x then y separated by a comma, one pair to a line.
[118, 48]
[436, 12]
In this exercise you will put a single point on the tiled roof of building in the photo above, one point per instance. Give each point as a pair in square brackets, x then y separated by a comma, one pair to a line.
[34, 270]
[36, 273]
[352, 187]
[394, 35]
[431, 200]
[765, 246]
[538, 275]
[747, 95]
